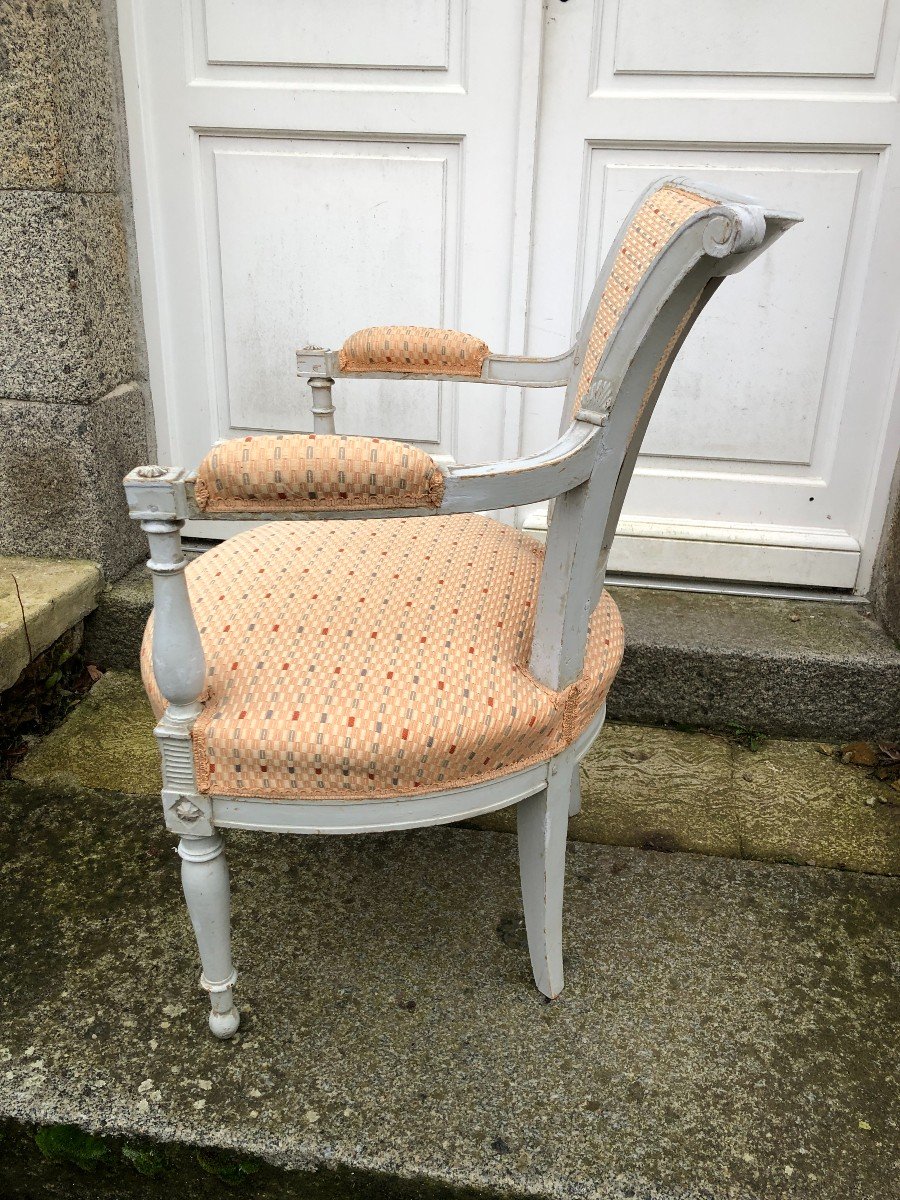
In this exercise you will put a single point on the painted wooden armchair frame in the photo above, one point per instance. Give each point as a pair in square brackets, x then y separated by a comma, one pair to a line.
[586, 472]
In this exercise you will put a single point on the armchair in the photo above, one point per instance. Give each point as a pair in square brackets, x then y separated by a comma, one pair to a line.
[415, 662]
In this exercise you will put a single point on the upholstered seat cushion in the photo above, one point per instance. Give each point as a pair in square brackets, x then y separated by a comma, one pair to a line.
[378, 658]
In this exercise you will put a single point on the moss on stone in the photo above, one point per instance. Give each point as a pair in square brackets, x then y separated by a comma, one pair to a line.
[66, 1160]
[146, 1160]
[235, 1170]
[106, 743]
[69, 1144]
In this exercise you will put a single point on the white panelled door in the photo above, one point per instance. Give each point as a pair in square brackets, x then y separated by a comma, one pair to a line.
[302, 170]
[764, 458]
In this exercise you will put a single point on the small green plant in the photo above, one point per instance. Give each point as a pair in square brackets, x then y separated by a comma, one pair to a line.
[145, 1160]
[68, 1143]
[750, 739]
[229, 1169]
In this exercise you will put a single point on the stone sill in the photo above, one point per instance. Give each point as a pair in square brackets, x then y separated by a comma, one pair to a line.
[55, 595]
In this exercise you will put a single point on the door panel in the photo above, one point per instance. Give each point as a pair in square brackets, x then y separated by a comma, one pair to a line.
[298, 177]
[367, 194]
[272, 32]
[767, 37]
[760, 460]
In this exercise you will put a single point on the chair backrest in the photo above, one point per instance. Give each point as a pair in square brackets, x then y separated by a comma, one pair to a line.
[677, 245]
[673, 251]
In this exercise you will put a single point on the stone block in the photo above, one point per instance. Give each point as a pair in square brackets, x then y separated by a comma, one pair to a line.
[61, 478]
[40, 599]
[113, 638]
[56, 97]
[800, 668]
[68, 332]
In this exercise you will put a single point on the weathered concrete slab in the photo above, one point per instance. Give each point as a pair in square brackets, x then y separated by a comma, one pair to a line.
[658, 789]
[787, 801]
[789, 667]
[55, 595]
[728, 1028]
[793, 668]
[106, 743]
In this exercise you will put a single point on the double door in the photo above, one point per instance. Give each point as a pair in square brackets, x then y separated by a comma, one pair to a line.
[302, 170]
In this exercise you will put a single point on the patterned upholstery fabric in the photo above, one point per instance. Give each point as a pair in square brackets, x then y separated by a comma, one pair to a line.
[413, 350]
[654, 224]
[300, 472]
[369, 659]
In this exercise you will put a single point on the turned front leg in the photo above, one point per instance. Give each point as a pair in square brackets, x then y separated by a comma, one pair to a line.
[180, 670]
[156, 499]
[204, 877]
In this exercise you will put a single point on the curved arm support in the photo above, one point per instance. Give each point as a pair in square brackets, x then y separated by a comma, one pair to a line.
[543, 476]
[509, 370]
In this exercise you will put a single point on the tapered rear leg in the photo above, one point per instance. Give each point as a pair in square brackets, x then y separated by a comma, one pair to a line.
[543, 820]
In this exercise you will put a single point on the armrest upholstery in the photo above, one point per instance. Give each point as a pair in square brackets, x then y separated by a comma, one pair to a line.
[302, 472]
[413, 350]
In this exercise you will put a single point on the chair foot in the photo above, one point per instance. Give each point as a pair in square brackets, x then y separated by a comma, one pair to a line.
[225, 1024]
[204, 877]
[542, 821]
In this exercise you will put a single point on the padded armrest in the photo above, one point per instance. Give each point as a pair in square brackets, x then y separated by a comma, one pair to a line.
[413, 350]
[302, 472]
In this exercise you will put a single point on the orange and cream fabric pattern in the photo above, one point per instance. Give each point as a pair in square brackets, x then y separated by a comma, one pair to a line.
[377, 658]
[413, 350]
[654, 224]
[304, 472]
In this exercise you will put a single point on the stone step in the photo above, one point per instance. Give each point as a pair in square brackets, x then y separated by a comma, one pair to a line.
[666, 789]
[41, 599]
[813, 669]
[727, 1032]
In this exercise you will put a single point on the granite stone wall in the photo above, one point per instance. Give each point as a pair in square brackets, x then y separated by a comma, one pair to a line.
[74, 402]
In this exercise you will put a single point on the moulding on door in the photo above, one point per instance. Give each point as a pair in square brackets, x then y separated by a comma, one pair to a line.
[819, 558]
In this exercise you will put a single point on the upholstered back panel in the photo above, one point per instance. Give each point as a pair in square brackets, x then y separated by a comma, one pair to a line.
[413, 350]
[654, 224]
[300, 472]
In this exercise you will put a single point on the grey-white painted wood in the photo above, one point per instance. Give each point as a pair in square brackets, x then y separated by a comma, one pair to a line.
[509, 369]
[178, 661]
[323, 404]
[575, 793]
[542, 822]
[499, 485]
[204, 878]
[587, 472]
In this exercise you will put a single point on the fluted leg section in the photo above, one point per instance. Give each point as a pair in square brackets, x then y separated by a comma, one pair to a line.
[204, 877]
